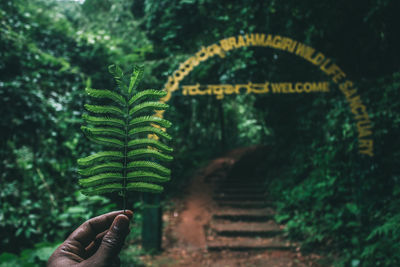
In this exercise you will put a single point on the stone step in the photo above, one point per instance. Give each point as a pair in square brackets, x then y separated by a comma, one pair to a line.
[254, 215]
[264, 229]
[223, 197]
[244, 204]
[247, 244]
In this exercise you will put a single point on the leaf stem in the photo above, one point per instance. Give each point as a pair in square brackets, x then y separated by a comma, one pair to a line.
[125, 151]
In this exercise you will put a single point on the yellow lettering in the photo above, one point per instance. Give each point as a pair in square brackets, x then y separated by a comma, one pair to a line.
[318, 59]
[300, 50]
[365, 146]
[232, 42]
[250, 40]
[240, 41]
[269, 41]
[215, 49]
[307, 87]
[241, 86]
[298, 87]
[191, 89]
[340, 75]
[216, 90]
[309, 51]
[323, 65]
[355, 103]
[228, 89]
[171, 84]
[202, 55]
[363, 128]
[225, 44]
[275, 88]
[288, 44]
[259, 88]
[277, 42]
[259, 40]
[290, 87]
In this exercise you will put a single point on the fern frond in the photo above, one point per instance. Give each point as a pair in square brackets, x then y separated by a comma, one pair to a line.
[118, 75]
[100, 179]
[119, 99]
[115, 187]
[104, 109]
[147, 94]
[103, 121]
[149, 142]
[146, 153]
[150, 130]
[148, 165]
[115, 132]
[100, 168]
[136, 77]
[133, 163]
[144, 187]
[110, 142]
[149, 119]
[146, 106]
[142, 176]
[99, 157]
[137, 176]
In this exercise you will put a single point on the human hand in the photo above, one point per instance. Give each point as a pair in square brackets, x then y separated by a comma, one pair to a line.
[97, 242]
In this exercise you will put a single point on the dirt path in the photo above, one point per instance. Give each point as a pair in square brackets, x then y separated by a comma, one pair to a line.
[187, 239]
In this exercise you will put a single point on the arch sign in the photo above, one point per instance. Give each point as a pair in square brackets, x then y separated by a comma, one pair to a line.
[318, 59]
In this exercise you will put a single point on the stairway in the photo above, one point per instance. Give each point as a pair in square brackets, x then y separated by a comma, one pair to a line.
[243, 220]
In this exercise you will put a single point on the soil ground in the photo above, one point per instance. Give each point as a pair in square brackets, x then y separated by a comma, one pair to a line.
[185, 234]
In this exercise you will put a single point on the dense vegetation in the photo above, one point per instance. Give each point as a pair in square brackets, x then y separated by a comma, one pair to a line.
[330, 197]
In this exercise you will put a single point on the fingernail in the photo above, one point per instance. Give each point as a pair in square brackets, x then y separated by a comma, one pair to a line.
[121, 224]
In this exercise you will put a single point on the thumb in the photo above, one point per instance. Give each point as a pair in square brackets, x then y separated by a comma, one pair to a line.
[112, 242]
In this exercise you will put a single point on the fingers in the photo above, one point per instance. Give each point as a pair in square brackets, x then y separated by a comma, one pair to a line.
[94, 245]
[112, 242]
[87, 232]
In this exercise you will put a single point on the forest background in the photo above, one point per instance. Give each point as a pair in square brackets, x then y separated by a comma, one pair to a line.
[332, 199]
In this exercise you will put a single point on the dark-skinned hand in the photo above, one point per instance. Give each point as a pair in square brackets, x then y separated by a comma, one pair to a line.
[97, 242]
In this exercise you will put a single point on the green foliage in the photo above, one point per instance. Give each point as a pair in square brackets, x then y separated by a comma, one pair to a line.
[120, 169]
[34, 257]
[330, 198]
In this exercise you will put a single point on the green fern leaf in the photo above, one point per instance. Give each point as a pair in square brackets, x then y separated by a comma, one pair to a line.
[144, 187]
[147, 94]
[110, 142]
[148, 120]
[100, 168]
[116, 187]
[99, 179]
[146, 106]
[150, 130]
[117, 98]
[142, 176]
[103, 121]
[151, 166]
[137, 75]
[134, 162]
[149, 142]
[118, 75]
[114, 132]
[101, 156]
[104, 109]
[148, 153]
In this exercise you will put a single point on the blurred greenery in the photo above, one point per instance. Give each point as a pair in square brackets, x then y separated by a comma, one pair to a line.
[331, 198]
